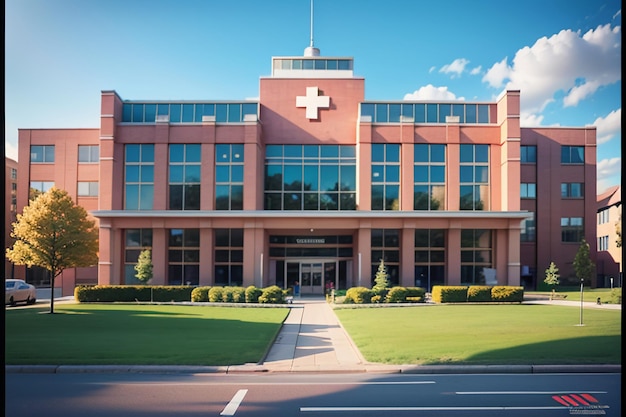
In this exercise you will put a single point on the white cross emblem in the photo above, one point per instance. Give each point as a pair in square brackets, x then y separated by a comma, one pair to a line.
[313, 102]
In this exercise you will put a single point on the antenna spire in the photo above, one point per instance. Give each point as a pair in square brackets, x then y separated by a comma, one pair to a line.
[311, 50]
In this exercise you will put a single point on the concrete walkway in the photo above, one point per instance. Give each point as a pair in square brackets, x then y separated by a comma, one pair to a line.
[312, 339]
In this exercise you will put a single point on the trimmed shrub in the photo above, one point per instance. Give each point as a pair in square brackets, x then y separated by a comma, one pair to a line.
[272, 295]
[503, 293]
[252, 294]
[238, 295]
[358, 295]
[396, 295]
[479, 293]
[216, 294]
[200, 294]
[449, 294]
[415, 294]
[132, 293]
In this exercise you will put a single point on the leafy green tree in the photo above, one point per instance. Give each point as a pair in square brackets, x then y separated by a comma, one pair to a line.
[55, 234]
[618, 231]
[143, 268]
[583, 265]
[381, 280]
[552, 276]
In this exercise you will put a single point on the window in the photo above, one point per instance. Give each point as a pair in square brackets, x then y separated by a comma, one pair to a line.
[572, 230]
[386, 246]
[528, 154]
[476, 255]
[229, 170]
[310, 177]
[528, 232]
[572, 154]
[474, 177]
[87, 188]
[184, 177]
[430, 257]
[88, 153]
[429, 176]
[183, 257]
[572, 189]
[13, 173]
[136, 241]
[603, 243]
[229, 257]
[39, 187]
[42, 154]
[385, 176]
[603, 216]
[139, 177]
[528, 190]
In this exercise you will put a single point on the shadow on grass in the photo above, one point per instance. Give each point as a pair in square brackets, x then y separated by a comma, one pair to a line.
[146, 335]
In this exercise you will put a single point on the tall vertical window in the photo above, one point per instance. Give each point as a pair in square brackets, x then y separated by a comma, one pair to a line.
[572, 229]
[229, 257]
[386, 246]
[139, 177]
[476, 254]
[603, 216]
[88, 153]
[183, 257]
[136, 241]
[310, 177]
[474, 173]
[430, 257]
[13, 173]
[528, 154]
[184, 177]
[528, 232]
[572, 154]
[528, 190]
[429, 176]
[385, 176]
[229, 177]
[603, 243]
[42, 154]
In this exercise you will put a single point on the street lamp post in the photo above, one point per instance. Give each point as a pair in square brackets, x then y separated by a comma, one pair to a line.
[581, 302]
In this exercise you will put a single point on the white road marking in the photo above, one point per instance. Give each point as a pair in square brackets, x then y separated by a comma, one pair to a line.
[524, 392]
[231, 407]
[362, 409]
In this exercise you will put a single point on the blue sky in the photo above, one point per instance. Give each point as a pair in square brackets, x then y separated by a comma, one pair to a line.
[564, 55]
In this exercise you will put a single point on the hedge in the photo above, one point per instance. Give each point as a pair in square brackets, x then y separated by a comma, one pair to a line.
[477, 293]
[132, 293]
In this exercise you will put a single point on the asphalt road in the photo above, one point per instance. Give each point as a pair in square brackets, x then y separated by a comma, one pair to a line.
[311, 394]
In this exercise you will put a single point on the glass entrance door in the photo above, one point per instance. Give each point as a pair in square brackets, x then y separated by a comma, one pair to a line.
[311, 278]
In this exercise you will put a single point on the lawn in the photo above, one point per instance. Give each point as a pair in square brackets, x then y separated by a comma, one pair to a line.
[487, 334]
[589, 294]
[98, 334]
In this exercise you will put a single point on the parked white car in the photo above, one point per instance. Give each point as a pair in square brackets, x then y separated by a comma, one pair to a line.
[19, 291]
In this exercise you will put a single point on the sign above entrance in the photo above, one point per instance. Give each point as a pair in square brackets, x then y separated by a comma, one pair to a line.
[313, 102]
[310, 241]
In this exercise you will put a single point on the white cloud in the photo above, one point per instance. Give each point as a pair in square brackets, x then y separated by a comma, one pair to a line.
[10, 150]
[566, 62]
[456, 68]
[608, 172]
[430, 92]
[608, 126]
[476, 70]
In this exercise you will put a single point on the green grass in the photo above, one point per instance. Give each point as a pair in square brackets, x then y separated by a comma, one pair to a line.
[489, 334]
[97, 334]
[589, 294]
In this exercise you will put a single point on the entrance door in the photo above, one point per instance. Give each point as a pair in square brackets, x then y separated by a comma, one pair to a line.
[311, 278]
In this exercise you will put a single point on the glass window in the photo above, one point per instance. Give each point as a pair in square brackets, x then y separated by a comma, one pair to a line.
[139, 176]
[43, 154]
[229, 174]
[87, 189]
[528, 190]
[572, 154]
[528, 154]
[88, 153]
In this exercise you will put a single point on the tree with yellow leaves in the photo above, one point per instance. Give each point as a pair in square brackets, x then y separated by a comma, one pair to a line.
[55, 234]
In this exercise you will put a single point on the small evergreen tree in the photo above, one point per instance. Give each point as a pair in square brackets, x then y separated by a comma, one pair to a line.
[144, 266]
[552, 276]
[583, 265]
[381, 280]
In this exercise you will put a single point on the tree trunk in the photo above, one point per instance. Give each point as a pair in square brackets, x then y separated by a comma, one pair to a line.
[52, 277]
